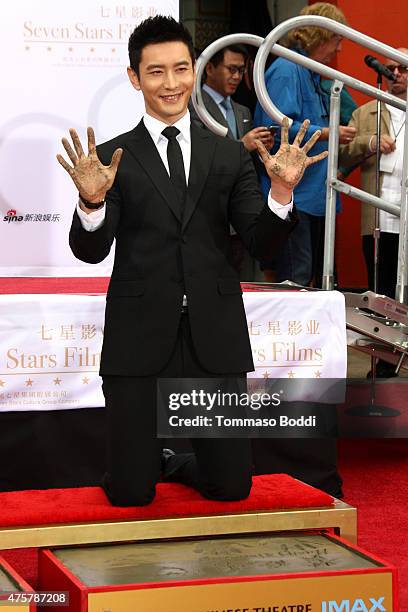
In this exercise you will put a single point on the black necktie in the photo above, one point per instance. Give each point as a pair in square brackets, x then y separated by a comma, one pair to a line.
[176, 163]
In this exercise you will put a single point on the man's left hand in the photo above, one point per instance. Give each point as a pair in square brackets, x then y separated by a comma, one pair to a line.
[287, 166]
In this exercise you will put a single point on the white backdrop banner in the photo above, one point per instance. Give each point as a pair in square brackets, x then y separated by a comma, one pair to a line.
[50, 344]
[64, 65]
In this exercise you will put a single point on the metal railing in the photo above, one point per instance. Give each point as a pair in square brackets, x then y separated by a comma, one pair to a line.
[204, 58]
[270, 45]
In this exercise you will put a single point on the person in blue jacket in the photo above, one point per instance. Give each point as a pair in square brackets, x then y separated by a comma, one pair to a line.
[297, 93]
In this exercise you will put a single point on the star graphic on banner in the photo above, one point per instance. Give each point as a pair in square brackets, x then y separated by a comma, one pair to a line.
[85, 381]
[265, 374]
[318, 374]
[2, 383]
[29, 382]
[291, 374]
[57, 381]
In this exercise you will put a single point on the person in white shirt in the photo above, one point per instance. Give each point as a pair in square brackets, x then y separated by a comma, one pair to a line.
[361, 151]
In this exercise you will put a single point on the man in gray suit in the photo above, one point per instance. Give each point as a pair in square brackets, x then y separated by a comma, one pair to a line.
[224, 72]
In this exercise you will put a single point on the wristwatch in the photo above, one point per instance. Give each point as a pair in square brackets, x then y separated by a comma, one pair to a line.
[92, 205]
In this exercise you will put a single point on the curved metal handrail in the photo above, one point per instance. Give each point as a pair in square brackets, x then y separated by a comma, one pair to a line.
[206, 55]
[270, 45]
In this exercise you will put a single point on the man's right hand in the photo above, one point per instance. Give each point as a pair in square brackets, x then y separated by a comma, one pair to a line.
[90, 176]
[387, 144]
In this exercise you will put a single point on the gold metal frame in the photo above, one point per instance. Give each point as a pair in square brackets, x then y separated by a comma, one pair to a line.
[341, 517]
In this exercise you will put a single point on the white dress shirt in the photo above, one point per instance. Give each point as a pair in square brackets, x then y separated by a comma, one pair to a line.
[391, 168]
[94, 220]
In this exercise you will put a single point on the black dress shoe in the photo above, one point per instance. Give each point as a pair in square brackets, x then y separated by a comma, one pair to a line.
[178, 467]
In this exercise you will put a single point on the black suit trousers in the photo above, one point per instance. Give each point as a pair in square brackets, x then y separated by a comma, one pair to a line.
[220, 468]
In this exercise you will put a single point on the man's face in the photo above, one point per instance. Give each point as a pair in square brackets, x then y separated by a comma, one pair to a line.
[166, 80]
[326, 51]
[226, 77]
[398, 87]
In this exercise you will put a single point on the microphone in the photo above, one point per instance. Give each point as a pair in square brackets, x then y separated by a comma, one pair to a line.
[375, 64]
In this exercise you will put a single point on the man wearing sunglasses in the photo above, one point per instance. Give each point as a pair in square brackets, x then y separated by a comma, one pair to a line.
[361, 151]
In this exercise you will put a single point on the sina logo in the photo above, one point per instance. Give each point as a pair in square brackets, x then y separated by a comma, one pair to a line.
[12, 217]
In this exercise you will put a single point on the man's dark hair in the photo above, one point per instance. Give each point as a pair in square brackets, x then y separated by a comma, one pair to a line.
[218, 57]
[155, 30]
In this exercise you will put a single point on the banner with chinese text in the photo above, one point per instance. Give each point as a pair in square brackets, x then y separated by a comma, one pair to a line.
[50, 351]
[50, 344]
[297, 334]
[64, 66]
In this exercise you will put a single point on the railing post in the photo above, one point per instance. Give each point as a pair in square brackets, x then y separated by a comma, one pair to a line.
[401, 291]
[332, 166]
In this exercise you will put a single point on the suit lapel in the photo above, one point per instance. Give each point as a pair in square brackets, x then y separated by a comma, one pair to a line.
[385, 117]
[142, 148]
[213, 108]
[215, 111]
[202, 152]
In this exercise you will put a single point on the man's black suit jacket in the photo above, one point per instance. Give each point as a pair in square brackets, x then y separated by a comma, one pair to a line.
[163, 253]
